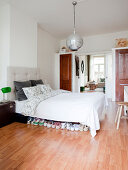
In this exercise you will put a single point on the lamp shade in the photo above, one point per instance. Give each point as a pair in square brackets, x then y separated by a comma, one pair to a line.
[6, 89]
[74, 42]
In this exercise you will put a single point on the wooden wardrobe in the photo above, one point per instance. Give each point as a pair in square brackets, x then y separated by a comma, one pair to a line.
[66, 72]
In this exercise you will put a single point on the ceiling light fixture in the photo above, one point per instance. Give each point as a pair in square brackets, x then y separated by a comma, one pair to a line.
[74, 41]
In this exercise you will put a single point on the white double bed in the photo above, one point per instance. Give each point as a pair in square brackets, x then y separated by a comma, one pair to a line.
[86, 108]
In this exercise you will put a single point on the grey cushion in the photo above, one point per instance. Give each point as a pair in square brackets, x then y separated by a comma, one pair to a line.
[20, 95]
[35, 82]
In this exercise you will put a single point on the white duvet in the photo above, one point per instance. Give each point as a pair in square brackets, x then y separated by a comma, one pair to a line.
[86, 108]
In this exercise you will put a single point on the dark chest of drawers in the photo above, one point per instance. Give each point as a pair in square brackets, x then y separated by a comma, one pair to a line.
[7, 113]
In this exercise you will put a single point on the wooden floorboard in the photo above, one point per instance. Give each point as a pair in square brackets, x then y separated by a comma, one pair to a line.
[26, 147]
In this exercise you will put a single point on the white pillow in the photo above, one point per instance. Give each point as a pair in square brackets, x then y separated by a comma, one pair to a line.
[32, 91]
[49, 87]
[45, 88]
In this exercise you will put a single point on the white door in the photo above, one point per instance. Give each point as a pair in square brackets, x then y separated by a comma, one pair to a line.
[108, 75]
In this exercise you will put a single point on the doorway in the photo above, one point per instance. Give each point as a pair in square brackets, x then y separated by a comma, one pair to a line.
[98, 72]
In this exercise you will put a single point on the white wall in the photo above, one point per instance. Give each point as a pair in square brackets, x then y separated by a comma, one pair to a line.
[23, 39]
[4, 43]
[99, 43]
[47, 47]
[18, 40]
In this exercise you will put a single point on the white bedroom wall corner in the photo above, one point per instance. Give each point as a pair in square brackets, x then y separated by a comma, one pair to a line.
[47, 46]
[56, 47]
[56, 72]
[63, 43]
[4, 43]
[23, 39]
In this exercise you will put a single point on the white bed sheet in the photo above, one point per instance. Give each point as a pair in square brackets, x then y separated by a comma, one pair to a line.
[19, 106]
[87, 108]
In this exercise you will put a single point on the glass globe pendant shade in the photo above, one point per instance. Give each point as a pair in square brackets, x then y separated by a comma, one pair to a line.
[74, 42]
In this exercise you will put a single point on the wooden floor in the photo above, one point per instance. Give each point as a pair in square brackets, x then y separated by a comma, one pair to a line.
[30, 147]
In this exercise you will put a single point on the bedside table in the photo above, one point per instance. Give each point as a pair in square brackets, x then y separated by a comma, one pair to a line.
[7, 113]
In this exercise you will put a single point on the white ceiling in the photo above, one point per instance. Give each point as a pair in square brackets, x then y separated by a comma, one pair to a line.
[92, 16]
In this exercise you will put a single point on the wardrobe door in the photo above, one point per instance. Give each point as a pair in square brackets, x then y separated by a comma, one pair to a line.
[66, 72]
[121, 73]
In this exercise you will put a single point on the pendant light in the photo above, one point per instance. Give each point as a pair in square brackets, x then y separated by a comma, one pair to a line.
[74, 41]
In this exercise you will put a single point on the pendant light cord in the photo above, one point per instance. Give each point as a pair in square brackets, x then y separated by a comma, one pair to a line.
[74, 4]
[74, 21]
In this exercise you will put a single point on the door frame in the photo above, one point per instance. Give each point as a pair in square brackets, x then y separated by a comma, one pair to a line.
[106, 75]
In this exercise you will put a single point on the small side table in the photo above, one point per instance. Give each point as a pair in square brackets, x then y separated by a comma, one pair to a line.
[7, 113]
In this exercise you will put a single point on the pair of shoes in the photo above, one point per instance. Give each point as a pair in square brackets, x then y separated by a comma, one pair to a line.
[68, 126]
[36, 121]
[63, 125]
[81, 127]
[29, 120]
[76, 127]
[85, 128]
[49, 124]
[41, 122]
[45, 123]
[72, 128]
[58, 125]
[53, 125]
[32, 120]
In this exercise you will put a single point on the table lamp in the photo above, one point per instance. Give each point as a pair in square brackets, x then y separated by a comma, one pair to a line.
[4, 91]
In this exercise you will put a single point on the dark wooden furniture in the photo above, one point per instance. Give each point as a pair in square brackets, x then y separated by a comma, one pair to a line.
[66, 72]
[7, 113]
[121, 73]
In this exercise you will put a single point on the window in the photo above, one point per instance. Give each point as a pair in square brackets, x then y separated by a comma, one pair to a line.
[98, 68]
